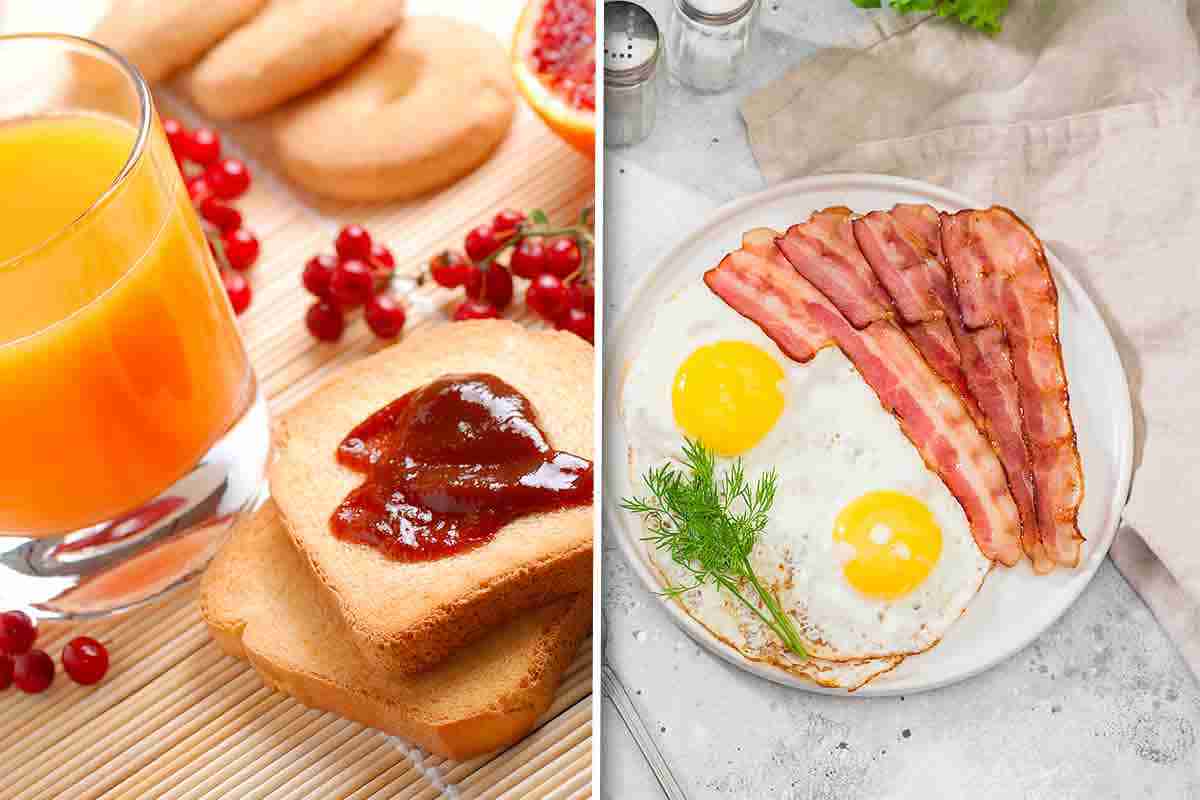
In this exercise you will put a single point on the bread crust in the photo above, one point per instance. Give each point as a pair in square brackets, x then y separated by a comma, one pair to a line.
[407, 617]
[424, 108]
[261, 605]
[292, 46]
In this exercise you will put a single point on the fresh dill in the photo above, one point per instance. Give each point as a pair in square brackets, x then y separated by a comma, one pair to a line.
[709, 525]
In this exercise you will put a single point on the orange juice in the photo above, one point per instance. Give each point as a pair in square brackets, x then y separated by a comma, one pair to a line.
[120, 361]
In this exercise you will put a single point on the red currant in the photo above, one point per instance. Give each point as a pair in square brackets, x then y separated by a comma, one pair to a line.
[562, 256]
[325, 321]
[353, 241]
[17, 632]
[382, 257]
[241, 248]
[6, 671]
[33, 672]
[581, 295]
[198, 189]
[228, 178]
[581, 323]
[507, 221]
[547, 296]
[177, 137]
[481, 242]
[385, 316]
[475, 309]
[450, 268]
[238, 289]
[352, 283]
[85, 660]
[383, 266]
[203, 146]
[220, 213]
[318, 272]
[529, 258]
[493, 284]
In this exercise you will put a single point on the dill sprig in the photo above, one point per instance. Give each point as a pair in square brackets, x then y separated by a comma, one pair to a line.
[709, 525]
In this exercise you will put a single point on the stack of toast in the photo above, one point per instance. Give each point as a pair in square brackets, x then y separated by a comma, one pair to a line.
[458, 655]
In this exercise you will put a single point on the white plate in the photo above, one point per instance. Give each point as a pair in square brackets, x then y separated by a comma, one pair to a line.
[1015, 605]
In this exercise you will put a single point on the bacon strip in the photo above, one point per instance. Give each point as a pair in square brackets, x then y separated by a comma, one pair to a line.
[905, 250]
[758, 283]
[915, 283]
[832, 262]
[898, 256]
[925, 223]
[825, 251]
[1002, 279]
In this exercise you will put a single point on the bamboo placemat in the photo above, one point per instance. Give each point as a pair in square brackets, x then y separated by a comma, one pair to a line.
[175, 718]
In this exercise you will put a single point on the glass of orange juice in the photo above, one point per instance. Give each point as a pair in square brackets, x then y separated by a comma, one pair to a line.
[132, 432]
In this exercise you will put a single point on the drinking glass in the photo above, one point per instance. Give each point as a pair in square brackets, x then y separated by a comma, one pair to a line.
[132, 432]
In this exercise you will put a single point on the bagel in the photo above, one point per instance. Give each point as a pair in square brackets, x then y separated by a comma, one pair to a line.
[426, 107]
[160, 38]
[287, 49]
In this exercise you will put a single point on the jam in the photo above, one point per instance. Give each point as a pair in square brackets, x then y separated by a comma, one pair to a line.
[450, 464]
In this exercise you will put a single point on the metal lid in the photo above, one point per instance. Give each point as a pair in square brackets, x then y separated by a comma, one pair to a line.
[631, 44]
[714, 12]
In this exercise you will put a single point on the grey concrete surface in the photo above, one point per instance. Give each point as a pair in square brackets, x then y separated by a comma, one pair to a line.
[1100, 706]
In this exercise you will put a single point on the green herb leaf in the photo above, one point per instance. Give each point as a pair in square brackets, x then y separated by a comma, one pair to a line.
[538, 217]
[709, 525]
[983, 15]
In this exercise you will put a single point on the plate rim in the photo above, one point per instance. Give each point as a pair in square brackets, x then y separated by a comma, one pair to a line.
[844, 181]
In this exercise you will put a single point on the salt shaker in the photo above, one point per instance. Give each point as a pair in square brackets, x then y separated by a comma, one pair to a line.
[708, 41]
[632, 47]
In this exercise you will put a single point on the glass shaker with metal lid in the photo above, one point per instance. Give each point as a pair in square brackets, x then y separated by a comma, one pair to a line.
[709, 40]
[632, 48]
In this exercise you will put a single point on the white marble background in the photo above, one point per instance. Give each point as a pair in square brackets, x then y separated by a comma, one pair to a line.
[1101, 706]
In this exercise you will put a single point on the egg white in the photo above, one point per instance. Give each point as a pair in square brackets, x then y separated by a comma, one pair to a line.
[832, 443]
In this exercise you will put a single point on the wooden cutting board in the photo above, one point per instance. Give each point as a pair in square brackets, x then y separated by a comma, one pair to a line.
[175, 718]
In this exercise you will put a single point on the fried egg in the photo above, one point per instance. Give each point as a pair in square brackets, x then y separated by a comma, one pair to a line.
[865, 548]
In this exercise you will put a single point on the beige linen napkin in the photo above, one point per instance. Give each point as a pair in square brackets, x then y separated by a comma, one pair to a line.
[1084, 116]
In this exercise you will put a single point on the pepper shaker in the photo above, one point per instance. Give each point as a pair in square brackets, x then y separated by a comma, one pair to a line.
[632, 47]
[709, 41]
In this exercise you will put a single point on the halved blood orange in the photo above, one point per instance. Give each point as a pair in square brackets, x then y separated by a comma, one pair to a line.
[554, 62]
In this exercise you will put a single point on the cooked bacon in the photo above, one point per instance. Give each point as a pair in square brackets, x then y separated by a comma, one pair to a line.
[899, 258]
[923, 220]
[1002, 278]
[987, 364]
[916, 284]
[827, 250]
[823, 250]
[935, 342]
[904, 248]
[758, 283]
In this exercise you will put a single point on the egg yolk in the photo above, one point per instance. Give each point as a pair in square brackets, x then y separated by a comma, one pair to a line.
[896, 543]
[727, 395]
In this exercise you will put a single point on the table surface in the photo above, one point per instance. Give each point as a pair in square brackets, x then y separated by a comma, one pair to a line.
[1100, 706]
[176, 717]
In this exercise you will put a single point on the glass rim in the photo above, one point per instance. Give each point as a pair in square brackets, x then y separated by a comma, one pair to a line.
[145, 118]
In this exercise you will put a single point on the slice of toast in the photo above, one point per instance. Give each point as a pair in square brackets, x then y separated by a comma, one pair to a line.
[408, 616]
[261, 604]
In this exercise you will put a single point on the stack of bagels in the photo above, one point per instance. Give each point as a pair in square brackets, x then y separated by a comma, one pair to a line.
[362, 102]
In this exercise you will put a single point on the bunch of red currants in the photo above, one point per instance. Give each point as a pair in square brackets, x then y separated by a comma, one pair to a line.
[213, 182]
[557, 261]
[359, 274]
[32, 670]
